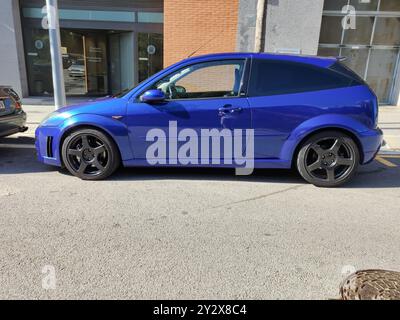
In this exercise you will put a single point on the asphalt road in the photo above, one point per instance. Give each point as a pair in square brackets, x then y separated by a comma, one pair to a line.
[189, 233]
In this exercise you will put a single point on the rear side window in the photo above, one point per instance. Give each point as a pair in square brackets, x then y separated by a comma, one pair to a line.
[345, 71]
[271, 77]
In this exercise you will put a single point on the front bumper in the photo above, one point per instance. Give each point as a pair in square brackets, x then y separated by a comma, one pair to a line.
[47, 145]
[371, 142]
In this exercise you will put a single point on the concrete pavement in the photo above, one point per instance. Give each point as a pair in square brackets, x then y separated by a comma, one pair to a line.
[389, 121]
[189, 233]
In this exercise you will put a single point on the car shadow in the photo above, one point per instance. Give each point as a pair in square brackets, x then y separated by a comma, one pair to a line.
[374, 175]
[206, 174]
[18, 156]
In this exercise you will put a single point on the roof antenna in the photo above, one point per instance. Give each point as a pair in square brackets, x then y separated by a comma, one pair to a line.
[201, 47]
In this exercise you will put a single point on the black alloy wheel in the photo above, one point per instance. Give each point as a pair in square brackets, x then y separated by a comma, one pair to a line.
[328, 159]
[90, 154]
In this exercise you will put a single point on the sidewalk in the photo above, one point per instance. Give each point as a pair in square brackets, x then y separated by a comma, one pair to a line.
[389, 121]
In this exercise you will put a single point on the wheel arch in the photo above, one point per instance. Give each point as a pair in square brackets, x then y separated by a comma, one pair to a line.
[77, 127]
[330, 128]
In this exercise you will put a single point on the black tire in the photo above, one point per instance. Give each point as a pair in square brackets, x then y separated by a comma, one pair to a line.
[90, 154]
[328, 159]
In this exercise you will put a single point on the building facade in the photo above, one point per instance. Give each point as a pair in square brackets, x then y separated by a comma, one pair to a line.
[111, 45]
[107, 46]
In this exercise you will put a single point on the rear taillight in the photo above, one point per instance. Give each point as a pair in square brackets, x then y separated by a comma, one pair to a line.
[18, 106]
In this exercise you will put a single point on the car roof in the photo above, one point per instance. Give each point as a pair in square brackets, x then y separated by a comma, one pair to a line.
[324, 62]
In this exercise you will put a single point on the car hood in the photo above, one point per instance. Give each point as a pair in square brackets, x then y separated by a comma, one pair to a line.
[107, 106]
[91, 106]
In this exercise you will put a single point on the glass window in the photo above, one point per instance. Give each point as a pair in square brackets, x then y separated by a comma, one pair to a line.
[150, 17]
[331, 30]
[84, 56]
[150, 49]
[74, 62]
[380, 72]
[356, 59]
[387, 31]
[38, 61]
[204, 80]
[278, 77]
[362, 33]
[336, 5]
[328, 52]
[390, 5]
[87, 15]
[96, 63]
[369, 5]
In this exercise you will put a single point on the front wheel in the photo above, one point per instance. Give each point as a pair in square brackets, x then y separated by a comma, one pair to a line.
[328, 159]
[90, 154]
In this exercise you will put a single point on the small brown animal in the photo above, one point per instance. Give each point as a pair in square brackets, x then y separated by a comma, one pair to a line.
[371, 285]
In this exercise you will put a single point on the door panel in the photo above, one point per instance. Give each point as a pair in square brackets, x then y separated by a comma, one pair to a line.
[204, 96]
[274, 118]
[194, 114]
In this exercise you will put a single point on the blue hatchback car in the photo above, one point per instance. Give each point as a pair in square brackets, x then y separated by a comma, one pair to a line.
[280, 111]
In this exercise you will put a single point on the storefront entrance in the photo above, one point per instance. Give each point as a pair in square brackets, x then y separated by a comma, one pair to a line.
[95, 62]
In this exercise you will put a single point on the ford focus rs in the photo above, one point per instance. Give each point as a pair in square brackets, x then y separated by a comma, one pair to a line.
[308, 113]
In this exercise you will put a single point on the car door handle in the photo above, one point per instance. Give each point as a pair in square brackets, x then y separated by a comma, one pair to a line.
[229, 109]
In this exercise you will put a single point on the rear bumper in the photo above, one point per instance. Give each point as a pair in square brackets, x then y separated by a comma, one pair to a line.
[13, 123]
[371, 142]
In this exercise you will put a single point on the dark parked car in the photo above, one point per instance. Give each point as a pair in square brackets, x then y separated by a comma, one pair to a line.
[12, 117]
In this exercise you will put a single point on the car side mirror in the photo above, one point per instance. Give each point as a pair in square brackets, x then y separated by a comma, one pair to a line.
[153, 96]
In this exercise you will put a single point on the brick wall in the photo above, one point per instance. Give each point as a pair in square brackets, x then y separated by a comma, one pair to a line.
[189, 24]
[222, 79]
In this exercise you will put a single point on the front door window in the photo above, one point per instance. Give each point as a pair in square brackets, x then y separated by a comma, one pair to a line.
[214, 79]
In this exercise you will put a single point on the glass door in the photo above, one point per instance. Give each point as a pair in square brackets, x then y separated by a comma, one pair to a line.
[84, 55]
[74, 64]
[150, 47]
[122, 67]
[96, 63]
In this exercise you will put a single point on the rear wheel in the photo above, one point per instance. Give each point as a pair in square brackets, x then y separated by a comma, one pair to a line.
[90, 154]
[328, 159]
